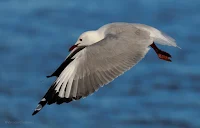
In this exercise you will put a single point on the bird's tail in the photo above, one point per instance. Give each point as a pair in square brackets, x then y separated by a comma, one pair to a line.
[164, 39]
[47, 97]
[158, 36]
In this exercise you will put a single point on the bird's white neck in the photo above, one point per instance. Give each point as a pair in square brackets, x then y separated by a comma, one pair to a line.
[95, 36]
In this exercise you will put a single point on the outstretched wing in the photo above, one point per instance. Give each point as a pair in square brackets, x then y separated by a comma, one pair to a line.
[97, 65]
[67, 61]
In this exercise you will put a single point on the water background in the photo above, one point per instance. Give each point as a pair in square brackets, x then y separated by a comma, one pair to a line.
[34, 40]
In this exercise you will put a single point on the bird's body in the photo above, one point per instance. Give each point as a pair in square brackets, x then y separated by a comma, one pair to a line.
[98, 57]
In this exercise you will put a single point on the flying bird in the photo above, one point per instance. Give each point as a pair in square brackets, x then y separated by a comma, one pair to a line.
[99, 56]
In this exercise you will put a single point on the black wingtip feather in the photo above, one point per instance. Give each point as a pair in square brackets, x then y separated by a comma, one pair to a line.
[35, 112]
[41, 104]
[63, 100]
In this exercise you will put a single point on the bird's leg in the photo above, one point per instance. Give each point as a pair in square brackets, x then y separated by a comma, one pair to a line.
[161, 54]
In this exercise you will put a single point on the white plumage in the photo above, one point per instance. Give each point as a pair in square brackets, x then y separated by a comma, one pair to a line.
[108, 52]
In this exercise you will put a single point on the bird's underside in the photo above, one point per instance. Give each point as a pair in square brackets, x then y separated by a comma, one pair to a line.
[94, 63]
[53, 97]
[56, 99]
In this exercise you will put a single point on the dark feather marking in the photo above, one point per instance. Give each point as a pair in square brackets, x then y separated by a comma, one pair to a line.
[47, 96]
[66, 62]
[52, 96]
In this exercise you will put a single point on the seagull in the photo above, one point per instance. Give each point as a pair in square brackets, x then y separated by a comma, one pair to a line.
[100, 56]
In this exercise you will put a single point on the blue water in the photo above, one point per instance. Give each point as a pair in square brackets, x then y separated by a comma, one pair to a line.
[34, 40]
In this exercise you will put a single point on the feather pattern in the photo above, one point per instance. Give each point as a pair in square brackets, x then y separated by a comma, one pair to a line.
[87, 68]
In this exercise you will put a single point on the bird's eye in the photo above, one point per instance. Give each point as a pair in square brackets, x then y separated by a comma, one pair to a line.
[80, 39]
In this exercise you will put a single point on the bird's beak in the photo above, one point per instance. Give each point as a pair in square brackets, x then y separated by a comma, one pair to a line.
[73, 47]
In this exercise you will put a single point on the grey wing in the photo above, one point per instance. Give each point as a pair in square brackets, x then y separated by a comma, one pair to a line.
[99, 64]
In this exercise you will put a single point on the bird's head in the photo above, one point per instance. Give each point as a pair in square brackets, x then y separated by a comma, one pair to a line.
[87, 38]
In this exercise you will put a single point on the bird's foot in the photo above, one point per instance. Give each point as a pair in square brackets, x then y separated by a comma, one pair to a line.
[164, 55]
[161, 54]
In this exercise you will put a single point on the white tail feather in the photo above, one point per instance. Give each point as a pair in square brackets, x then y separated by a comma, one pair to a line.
[158, 36]
[164, 39]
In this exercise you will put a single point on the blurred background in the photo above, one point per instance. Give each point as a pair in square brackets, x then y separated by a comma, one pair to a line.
[34, 40]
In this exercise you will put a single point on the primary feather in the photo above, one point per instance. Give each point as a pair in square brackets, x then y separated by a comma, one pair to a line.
[100, 57]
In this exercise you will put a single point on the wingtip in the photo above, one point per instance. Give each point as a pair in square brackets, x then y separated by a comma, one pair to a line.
[40, 105]
[35, 112]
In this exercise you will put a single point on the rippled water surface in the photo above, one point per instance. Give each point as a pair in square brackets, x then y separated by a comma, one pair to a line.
[34, 40]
